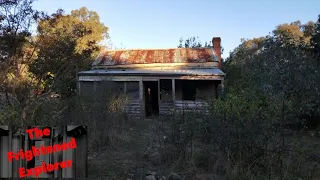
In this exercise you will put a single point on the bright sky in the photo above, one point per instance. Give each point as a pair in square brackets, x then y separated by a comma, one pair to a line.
[160, 23]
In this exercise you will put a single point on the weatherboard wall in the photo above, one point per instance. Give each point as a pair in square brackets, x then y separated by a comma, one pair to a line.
[170, 97]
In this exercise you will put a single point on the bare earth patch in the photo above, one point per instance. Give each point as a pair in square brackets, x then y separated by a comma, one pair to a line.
[126, 159]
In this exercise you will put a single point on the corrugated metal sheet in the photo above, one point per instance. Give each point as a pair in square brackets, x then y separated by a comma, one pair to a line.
[178, 55]
[182, 72]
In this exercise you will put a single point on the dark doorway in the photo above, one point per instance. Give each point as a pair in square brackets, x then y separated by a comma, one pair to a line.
[151, 98]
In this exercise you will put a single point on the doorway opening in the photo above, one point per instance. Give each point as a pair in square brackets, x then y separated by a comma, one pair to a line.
[151, 98]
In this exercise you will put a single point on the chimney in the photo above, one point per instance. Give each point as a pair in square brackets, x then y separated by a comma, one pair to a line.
[216, 42]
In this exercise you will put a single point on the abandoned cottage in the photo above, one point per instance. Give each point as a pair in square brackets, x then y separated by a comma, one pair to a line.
[157, 81]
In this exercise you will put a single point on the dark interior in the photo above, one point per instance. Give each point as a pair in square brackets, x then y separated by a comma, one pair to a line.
[189, 90]
[151, 98]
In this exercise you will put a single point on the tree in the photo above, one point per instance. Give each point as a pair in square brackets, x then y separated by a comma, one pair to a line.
[235, 64]
[16, 49]
[282, 67]
[293, 34]
[16, 18]
[308, 29]
[192, 42]
[316, 38]
[67, 44]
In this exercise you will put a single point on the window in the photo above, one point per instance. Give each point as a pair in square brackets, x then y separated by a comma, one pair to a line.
[189, 90]
[133, 90]
[166, 89]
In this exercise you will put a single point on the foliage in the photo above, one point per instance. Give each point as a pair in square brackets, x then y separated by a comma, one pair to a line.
[9, 114]
[282, 67]
[243, 137]
[251, 133]
[271, 82]
[47, 62]
[316, 38]
[16, 49]
[105, 117]
[192, 42]
[15, 21]
[66, 45]
[293, 33]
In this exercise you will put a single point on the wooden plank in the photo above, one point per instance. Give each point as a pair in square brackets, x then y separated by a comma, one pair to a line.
[4, 165]
[10, 149]
[201, 77]
[90, 78]
[16, 148]
[146, 78]
[196, 105]
[66, 172]
[132, 109]
[166, 108]
[81, 157]
[183, 106]
[56, 174]
[109, 78]
[126, 78]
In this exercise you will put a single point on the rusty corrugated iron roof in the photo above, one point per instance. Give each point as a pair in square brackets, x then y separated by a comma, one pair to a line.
[144, 56]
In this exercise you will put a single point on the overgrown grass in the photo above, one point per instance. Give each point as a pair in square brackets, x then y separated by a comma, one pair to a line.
[243, 137]
[104, 116]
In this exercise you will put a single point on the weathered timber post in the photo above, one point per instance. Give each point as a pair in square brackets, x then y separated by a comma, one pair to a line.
[174, 95]
[141, 100]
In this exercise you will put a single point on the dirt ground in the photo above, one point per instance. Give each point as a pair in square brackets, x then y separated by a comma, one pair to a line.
[126, 159]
